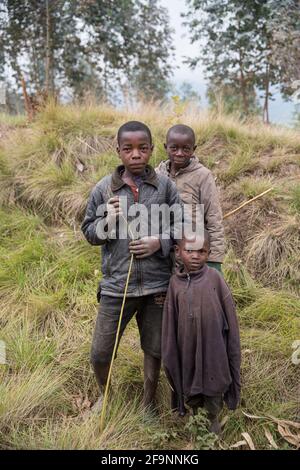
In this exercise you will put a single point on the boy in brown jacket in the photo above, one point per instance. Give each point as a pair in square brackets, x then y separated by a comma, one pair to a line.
[195, 184]
[200, 335]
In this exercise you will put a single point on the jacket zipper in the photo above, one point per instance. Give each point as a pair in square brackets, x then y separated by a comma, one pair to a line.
[138, 262]
[135, 261]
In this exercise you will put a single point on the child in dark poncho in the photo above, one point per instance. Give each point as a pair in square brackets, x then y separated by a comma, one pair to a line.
[201, 344]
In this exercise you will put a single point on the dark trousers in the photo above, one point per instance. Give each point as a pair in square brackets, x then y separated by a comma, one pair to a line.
[148, 309]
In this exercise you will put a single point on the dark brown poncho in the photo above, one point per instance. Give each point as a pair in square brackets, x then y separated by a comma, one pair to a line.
[200, 337]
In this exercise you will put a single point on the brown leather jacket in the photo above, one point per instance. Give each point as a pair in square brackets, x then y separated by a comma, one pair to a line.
[195, 184]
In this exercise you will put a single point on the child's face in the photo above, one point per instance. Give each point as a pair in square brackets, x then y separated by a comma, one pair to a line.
[135, 150]
[180, 148]
[193, 253]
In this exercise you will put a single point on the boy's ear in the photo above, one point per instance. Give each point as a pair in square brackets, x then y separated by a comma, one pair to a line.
[118, 150]
[152, 147]
[195, 146]
[176, 248]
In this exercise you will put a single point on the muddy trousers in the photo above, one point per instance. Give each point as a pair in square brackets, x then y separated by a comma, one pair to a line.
[148, 313]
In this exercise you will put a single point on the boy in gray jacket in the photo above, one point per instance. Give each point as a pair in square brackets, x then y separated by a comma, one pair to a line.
[196, 185]
[136, 182]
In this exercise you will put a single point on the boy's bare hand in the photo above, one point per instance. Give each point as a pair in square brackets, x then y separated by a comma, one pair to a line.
[144, 247]
[114, 209]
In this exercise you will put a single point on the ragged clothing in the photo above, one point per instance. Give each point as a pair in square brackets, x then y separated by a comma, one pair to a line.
[196, 185]
[200, 337]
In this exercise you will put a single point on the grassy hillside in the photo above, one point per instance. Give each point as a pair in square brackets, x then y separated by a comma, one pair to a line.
[49, 275]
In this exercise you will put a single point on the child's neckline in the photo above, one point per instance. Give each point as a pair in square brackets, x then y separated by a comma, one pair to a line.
[191, 274]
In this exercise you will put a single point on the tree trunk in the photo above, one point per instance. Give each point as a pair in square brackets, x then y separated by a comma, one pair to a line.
[27, 101]
[49, 84]
[243, 85]
[266, 119]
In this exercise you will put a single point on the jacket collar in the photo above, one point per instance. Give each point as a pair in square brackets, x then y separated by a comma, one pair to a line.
[193, 164]
[150, 177]
[182, 274]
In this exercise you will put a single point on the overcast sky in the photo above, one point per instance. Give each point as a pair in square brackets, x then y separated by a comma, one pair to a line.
[182, 41]
[280, 111]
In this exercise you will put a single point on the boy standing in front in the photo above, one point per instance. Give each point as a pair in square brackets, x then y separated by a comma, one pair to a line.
[200, 336]
[136, 182]
[195, 184]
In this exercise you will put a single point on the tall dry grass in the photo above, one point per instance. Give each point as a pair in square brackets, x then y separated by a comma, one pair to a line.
[49, 276]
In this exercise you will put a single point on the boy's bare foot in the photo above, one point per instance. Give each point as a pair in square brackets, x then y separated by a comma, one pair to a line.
[97, 407]
[95, 410]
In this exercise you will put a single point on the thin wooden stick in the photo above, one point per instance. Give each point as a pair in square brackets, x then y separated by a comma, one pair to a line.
[115, 348]
[246, 202]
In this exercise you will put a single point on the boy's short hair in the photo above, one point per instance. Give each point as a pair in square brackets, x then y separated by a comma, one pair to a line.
[190, 236]
[134, 126]
[181, 129]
